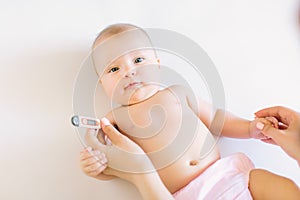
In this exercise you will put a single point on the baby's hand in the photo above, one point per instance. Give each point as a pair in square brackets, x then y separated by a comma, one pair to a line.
[93, 163]
[256, 133]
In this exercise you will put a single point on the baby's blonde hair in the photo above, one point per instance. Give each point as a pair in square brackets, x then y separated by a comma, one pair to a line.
[112, 30]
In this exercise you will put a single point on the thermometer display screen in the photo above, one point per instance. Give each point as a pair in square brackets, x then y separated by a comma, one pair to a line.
[91, 122]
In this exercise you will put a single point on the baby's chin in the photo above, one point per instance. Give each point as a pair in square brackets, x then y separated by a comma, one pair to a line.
[140, 95]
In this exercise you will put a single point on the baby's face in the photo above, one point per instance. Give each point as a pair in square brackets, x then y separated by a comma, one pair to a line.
[132, 77]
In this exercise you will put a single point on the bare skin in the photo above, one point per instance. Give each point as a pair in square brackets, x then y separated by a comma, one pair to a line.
[263, 185]
[185, 165]
[149, 185]
[288, 135]
[125, 82]
[188, 166]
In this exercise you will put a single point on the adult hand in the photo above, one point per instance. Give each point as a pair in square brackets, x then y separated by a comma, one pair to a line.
[256, 133]
[125, 158]
[288, 134]
[128, 161]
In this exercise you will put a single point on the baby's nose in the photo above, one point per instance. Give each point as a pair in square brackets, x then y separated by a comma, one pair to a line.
[130, 72]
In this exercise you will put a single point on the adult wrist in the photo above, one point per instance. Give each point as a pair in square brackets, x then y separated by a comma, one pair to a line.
[151, 187]
[142, 178]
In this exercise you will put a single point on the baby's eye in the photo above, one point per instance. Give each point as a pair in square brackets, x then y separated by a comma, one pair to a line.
[114, 69]
[139, 60]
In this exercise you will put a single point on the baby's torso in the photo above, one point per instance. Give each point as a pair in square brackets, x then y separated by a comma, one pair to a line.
[178, 143]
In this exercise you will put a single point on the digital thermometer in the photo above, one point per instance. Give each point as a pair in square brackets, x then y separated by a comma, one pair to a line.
[92, 123]
[86, 122]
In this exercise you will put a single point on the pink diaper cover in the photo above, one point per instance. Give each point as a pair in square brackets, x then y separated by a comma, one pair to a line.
[226, 179]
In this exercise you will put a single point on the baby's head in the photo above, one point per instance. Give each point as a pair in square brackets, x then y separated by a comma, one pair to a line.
[126, 64]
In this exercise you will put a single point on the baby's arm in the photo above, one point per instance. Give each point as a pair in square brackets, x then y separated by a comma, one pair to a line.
[233, 126]
[237, 127]
[218, 121]
[222, 122]
[241, 128]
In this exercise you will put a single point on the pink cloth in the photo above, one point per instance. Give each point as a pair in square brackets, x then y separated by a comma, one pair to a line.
[226, 179]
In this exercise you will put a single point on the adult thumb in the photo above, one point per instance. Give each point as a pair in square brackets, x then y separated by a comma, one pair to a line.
[112, 133]
[92, 140]
[112, 172]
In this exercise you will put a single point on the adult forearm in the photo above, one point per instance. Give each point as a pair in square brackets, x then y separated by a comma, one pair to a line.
[151, 187]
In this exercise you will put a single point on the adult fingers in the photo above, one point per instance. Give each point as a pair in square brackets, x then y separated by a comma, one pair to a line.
[269, 141]
[97, 171]
[268, 112]
[93, 167]
[89, 161]
[270, 131]
[86, 153]
[283, 114]
[92, 140]
[112, 172]
[261, 136]
[97, 157]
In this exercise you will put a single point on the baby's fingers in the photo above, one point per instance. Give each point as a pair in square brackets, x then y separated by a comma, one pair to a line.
[274, 121]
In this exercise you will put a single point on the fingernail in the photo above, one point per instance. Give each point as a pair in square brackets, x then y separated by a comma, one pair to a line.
[89, 149]
[102, 162]
[260, 125]
[102, 156]
[105, 121]
[97, 152]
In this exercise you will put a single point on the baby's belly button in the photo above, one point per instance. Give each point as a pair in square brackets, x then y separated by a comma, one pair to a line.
[194, 162]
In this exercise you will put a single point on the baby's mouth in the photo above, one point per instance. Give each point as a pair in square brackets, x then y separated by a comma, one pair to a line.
[132, 85]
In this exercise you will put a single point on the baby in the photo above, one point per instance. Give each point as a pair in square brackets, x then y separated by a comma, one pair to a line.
[157, 117]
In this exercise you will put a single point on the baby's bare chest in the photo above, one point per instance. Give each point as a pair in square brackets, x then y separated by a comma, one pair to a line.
[150, 117]
[156, 121]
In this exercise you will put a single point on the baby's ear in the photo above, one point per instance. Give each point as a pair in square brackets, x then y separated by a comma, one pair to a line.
[158, 61]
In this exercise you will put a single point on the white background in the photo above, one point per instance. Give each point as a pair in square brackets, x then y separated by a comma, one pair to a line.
[254, 45]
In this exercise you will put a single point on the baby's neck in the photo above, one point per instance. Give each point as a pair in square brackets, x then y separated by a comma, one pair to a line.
[156, 89]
